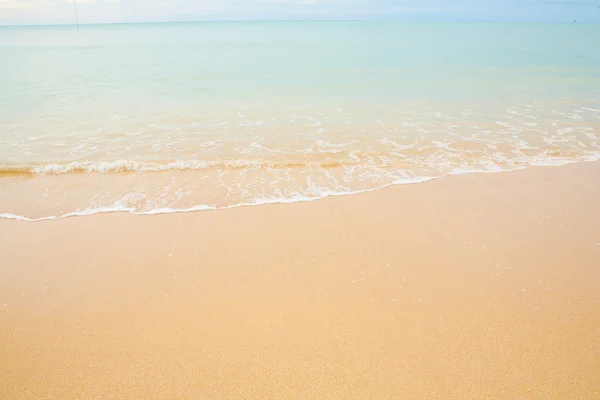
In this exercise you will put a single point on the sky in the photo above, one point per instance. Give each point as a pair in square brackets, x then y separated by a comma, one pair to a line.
[95, 11]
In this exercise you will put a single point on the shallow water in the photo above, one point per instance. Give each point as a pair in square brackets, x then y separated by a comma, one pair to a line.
[152, 118]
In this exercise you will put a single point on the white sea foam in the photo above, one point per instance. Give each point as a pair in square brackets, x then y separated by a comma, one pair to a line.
[284, 156]
[317, 195]
[140, 166]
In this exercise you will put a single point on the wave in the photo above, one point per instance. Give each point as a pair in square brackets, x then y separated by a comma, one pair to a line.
[371, 160]
[204, 207]
[310, 194]
[285, 200]
[122, 166]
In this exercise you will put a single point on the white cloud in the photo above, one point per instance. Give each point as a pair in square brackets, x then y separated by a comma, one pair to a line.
[61, 11]
[26, 4]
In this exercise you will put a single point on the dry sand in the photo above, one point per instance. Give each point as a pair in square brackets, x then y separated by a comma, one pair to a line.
[466, 287]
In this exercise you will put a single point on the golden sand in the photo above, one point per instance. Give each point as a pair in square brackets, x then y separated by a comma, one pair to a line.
[466, 287]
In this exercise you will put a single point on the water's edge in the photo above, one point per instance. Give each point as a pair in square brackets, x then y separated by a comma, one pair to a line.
[201, 207]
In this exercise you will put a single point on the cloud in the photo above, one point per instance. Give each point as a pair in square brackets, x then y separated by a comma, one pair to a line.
[61, 11]
[26, 4]
[422, 10]
[567, 3]
[305, 2]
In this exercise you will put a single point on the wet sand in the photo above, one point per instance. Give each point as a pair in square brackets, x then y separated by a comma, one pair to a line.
[466, 287]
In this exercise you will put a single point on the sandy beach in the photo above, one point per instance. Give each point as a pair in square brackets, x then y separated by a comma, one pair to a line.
[465, 287]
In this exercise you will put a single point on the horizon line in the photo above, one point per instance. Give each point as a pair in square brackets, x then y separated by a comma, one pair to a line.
[25, 24]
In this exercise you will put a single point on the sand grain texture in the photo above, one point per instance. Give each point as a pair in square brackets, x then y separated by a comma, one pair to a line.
[466, 287]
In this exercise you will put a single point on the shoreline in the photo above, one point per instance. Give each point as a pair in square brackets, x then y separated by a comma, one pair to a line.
[264, 202]
[471, 286]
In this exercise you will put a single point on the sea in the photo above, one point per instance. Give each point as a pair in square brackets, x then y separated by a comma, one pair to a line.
[174, 117]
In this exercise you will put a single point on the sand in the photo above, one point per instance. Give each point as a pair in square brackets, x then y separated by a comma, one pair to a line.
[466, 287]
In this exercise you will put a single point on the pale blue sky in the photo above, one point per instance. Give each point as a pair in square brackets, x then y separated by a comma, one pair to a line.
[61, 11]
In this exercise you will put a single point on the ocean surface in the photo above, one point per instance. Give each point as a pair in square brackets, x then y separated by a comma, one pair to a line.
[153, 118]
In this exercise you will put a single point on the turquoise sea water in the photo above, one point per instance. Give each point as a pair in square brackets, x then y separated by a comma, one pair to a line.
[171, 117]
